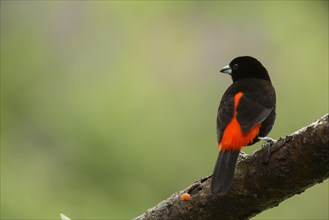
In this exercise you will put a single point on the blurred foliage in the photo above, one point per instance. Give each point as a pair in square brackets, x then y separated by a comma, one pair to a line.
[109, 107]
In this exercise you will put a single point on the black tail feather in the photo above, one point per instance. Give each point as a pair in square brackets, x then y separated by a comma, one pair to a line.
[224, 171]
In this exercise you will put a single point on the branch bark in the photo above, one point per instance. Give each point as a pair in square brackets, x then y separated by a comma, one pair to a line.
[298, 161]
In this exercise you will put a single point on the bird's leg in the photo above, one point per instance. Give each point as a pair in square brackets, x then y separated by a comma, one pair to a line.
[267, 139]
[267, 144]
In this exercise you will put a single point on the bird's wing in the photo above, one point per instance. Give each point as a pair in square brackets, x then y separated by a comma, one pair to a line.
[225, 114]
[250, 113]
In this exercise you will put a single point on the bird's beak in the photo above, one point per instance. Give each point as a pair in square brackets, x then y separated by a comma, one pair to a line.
[226, 69]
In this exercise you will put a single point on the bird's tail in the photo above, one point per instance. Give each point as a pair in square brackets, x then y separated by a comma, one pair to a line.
[224, 171]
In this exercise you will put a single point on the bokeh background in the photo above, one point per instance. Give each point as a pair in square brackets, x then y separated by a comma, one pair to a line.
[109, 107]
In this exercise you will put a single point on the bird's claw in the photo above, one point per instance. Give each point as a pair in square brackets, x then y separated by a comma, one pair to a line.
[267, 144]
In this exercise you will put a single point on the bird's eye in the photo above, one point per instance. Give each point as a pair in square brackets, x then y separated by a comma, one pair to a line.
[235, 66]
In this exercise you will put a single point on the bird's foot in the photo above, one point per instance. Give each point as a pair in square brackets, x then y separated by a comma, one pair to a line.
[242, 155]
[267, 139]
[267, 144]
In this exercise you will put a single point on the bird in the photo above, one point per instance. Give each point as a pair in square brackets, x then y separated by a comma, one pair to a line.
[246, 114]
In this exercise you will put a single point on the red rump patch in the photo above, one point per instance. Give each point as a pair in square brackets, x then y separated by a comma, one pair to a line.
[233, 137]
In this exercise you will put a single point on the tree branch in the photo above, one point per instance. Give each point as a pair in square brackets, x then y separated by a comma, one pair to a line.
[298, 161]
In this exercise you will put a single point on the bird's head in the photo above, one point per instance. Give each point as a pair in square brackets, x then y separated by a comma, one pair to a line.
[245, 67]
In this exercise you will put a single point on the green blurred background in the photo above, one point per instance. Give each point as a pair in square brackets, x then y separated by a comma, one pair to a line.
[107, 108]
